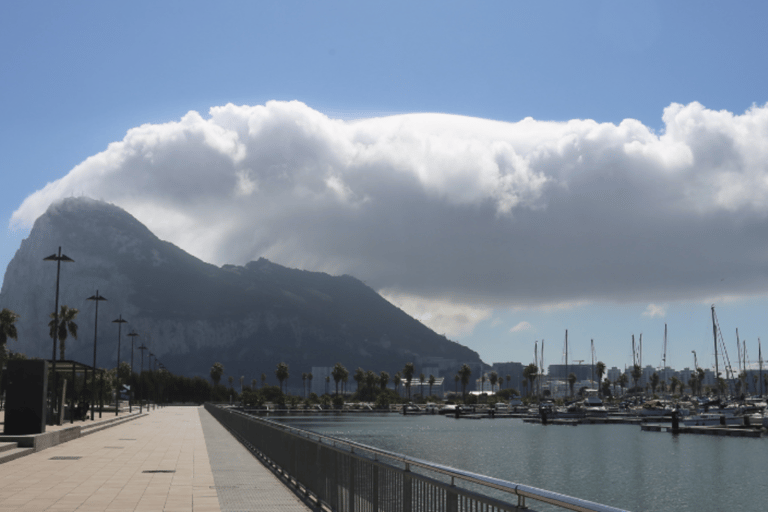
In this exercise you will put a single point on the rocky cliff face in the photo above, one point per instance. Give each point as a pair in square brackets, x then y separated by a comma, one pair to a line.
[192, 314]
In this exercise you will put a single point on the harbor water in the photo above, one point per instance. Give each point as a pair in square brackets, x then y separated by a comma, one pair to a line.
[617, 465]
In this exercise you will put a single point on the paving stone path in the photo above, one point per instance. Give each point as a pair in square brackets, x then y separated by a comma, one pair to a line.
[174, 459]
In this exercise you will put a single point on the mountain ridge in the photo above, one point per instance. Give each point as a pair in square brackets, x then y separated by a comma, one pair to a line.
[193, 313]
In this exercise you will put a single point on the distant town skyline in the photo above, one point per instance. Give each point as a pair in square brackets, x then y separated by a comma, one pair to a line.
[501, 172]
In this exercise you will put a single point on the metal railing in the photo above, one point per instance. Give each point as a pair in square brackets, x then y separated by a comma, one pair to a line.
[346, 476]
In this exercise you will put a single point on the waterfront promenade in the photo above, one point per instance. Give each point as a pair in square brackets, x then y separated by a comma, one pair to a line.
[171, 459]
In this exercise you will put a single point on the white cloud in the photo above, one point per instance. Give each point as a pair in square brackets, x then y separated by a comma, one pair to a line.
[465, 213]
[522, 326]
[654, 311]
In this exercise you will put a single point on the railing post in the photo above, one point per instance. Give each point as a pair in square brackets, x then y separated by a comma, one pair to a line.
[407, 489]
[352, 464]
[452, 498]
[375, 496]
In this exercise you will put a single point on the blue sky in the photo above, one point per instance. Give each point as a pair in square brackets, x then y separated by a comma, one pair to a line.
[77, 77]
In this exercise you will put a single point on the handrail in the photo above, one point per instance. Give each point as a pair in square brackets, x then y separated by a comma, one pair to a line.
[526, 491]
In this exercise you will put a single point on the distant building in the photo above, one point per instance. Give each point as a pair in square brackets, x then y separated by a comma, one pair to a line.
[515, 372]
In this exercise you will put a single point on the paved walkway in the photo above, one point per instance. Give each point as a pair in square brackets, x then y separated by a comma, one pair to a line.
[174, 459]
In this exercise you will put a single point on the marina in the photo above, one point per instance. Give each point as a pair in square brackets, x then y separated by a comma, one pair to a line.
[618, 463]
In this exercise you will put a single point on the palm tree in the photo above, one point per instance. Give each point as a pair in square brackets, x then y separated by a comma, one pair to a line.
[309, 380]
[338, 373]
[359, 376]
[431, 383]
[529, 373]
[654, 382]
[242, 379]
[509, 378]
[572, 381]
[623, 381]
[636, 373]
[600, 370]
[65, 326]
[456, 379]
[421, 386]
[217, 370]
[700, 374]
[494, 378]
[281, 372]
[7, 331]
[231, 380]
[383, 379]
[464, 373]
[263, 379]
[327, 381]
[408, 375]
[397, 380]
[253, 384]
[483, 378]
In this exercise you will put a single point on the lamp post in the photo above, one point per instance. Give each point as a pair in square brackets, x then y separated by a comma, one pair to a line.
[119, 321]
[96, 298]
[58, 259]
[133, 335]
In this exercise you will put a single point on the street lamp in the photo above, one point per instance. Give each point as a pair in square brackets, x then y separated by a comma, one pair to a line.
[58, 259]
[132, 334]
[119, 321]
[96, 298]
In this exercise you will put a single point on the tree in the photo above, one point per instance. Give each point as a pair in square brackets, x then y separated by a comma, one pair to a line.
[456, 380]
[231, 380]
[464, 373]
[606, 387]
[304, 383]
[242, 379]
[421, 382]
[509, 378]
[359, 376]
[383, 379]
[398, 378]
[309, 380]
[338, 374]
[66, 325]
[327, 381]
[431, 383]
[600, 370]
[623, 381]
[483, 378]
[408, 372]
[281, 372]
[529, 373]
[700, 374]
[263, 379]
[654, 382]
[572, 381]
[253, 384]
[217, 370]
[637, 372]
[693, 383]
[673, 383]
[7, 331]
[493, 378]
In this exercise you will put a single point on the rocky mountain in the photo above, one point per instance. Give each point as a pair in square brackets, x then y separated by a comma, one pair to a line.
[191, 314]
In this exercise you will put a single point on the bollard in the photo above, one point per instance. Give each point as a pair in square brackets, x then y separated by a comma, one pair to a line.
[675, 422]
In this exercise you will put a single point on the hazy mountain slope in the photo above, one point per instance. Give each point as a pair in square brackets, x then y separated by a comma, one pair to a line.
[192, 313]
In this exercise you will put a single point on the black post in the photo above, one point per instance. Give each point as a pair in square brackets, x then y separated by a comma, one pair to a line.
[133, 335]
[95, 298]
[119, 321]
[58, 259]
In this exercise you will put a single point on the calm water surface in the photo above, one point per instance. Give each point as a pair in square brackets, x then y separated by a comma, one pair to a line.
[617, 465]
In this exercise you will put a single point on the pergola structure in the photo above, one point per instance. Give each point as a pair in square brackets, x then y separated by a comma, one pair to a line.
[69, 370]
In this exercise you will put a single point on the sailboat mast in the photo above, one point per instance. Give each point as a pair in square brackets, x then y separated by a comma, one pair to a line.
[714, 335]
[760, 359]
[593, 361]
[566, 359]
[738, 348]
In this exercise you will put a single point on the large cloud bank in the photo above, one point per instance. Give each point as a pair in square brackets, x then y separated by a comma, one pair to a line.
[458, 210]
